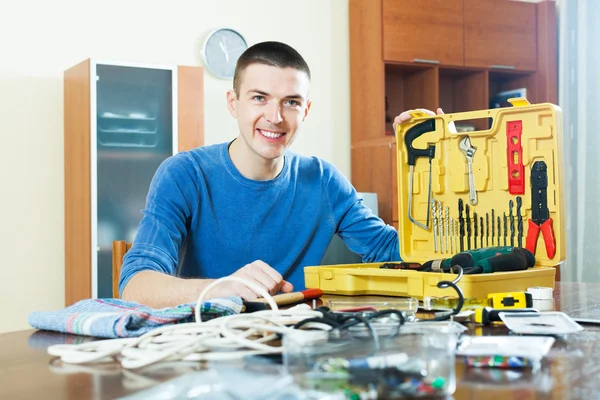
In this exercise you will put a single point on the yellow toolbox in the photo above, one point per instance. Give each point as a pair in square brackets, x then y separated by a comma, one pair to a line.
[495, 182]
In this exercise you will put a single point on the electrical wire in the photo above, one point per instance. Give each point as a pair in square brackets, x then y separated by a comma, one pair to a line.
[224, 338]
[452, 284]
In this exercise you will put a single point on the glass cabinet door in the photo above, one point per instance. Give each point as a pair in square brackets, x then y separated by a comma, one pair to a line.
[135, 133]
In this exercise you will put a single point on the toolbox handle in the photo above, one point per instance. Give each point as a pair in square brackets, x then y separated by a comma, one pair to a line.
[469, 116]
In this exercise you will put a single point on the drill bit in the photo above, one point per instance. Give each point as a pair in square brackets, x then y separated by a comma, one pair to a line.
[475, 230]
[493, 230]
[505, 229]
[468, 222]
[440, 211]
[461, 221]
[481, 231]
[451, 235]
[511, 204]
[487, 230]
[456, 235]
[519, 221]
[435, 225]
[499, 231]
[447, 225]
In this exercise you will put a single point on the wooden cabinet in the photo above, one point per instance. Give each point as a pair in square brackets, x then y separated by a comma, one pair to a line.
[121, 122]
[373, 166]
[427, 31]
[483, 47]
[500, 34]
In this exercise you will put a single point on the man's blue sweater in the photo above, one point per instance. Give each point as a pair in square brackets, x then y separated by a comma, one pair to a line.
[204, 219]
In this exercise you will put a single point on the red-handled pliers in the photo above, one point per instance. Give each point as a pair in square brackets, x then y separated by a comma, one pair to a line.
[540, 215]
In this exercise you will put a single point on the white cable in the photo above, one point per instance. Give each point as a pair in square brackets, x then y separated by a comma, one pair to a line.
[224, 338]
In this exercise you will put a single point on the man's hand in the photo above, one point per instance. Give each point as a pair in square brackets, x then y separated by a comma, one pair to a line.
[259, 273]
[405, 116]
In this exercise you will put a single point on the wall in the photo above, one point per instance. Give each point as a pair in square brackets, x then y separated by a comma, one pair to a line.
[39, 40]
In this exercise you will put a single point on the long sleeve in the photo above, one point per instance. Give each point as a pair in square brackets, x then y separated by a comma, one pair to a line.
[363, 232]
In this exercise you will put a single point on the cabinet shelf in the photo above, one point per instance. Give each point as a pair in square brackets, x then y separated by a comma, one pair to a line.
[468, 44]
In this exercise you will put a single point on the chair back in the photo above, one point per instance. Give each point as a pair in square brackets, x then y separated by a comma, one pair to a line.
[119, 248]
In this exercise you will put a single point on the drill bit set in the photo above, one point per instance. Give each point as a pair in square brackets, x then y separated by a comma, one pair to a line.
[483, 229]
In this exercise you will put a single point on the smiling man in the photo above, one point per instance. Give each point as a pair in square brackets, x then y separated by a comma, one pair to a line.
[249, 208]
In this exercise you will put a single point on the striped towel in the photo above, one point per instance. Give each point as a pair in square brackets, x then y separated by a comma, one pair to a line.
[115, 318]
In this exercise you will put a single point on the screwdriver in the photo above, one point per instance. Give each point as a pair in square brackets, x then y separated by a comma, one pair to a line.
[488, 314]
[414, 153]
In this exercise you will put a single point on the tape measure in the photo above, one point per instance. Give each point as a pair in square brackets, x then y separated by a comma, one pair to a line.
[494, 300]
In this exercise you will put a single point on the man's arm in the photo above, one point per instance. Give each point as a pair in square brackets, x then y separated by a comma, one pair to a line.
[363, 232]
[159, 290]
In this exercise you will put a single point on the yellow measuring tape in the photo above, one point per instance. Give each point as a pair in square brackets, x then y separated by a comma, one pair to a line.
[494, 300]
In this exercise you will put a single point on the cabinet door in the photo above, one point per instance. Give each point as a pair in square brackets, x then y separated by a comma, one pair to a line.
[372, 172]
[423, 31]
[500, 34]
[135, 133]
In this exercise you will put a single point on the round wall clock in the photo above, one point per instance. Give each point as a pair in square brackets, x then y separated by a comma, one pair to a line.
[221, 50]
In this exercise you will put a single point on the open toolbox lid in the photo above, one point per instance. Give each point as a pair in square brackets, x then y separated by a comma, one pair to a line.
[520, 149]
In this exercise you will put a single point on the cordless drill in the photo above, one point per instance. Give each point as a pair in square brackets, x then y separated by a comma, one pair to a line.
[486, 260]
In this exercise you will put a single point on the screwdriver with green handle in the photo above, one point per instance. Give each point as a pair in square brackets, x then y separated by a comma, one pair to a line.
[486, 260]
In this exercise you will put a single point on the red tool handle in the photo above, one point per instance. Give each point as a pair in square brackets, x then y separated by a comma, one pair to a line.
[532, 235]
[549, 241]
[547, 232]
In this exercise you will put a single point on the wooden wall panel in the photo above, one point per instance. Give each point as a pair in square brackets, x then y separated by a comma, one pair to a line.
[77, 183]
[190, 100]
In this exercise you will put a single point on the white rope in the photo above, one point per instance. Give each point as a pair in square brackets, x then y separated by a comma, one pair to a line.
[224, 338]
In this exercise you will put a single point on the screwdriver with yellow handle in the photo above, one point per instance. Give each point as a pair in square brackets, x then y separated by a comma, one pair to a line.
[486, 315]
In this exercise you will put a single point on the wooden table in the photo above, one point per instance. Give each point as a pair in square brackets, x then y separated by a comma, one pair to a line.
[571, 371]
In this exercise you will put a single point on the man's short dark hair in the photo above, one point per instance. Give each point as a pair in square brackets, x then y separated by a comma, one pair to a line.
[275, 54]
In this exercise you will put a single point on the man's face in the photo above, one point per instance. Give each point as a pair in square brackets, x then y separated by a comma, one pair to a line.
[271, 106]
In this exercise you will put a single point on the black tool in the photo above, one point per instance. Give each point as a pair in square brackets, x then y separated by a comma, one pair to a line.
[511, 204]
[493, 228]
[481, 232]
[540, 215]
[505, 228]
[468, 222]
[484, 261]
[499, 231]
[519, 222]
[412, 153]
[487, 230]
[474, 230]
[461, 221]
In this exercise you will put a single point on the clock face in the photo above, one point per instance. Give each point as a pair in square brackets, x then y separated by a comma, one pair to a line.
[222, 49]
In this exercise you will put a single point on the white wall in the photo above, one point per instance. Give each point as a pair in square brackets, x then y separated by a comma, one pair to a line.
[40, 39]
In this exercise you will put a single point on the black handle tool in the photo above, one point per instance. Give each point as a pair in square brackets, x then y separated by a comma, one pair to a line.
[413, 153]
